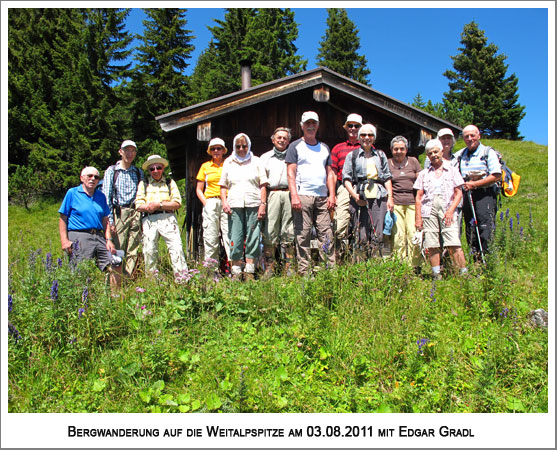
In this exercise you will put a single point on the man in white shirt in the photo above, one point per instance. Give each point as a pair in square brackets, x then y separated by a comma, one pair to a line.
[311, 181]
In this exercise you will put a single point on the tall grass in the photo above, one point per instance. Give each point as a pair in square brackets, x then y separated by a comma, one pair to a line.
[358, 338]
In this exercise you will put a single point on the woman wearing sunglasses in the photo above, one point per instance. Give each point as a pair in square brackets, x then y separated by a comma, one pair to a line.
[367, 179]
[158, 199]
[215, 220]
[84, 228]
[243, 190]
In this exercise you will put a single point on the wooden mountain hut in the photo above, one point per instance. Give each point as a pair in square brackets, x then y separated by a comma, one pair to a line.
[258, 110]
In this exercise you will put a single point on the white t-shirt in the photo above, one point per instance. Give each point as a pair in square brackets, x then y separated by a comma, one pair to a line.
[311, 161]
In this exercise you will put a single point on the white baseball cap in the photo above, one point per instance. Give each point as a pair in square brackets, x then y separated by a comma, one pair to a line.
[310, 115]
[128, 143]
[445, 132]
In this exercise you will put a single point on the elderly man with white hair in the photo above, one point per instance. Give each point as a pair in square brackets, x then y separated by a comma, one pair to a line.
[437, 198]
[480, 167]
[84, 226]
[367, 179]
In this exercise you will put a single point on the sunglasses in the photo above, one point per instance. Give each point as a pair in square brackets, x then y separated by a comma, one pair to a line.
[353, 125]
[152, 169]
[366, 134]
[96, 177]
[242, 146]
[216, 148]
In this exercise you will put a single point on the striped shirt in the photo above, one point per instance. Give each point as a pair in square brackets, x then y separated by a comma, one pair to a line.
[126, 186]
[338, 155]
[477, 162]
[157, 191]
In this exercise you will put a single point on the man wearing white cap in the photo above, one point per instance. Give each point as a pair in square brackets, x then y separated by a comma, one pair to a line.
[215, 220]
[338, 155]
[120, 188]
[158, 198]
[311, 181]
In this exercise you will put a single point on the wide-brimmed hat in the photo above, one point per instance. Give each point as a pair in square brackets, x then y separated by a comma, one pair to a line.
[128, 143]
[216, 141]
[354, 118]
[153, 159]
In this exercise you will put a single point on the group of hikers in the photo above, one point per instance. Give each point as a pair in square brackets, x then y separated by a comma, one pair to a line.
[351, 199]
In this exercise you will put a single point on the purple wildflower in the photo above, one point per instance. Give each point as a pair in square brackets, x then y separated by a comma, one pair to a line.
[421, 343]
[210, 263]
[54, 290]
[139, 290]
[521, 232]
[501, 216]
[10, 303]
[13, 331]
[59, 261]
[432, 292]
[511, 223]
[507, 213]
[504, 313]
[326, 246]
[48, 262]
[72, 340]
[80, 312]
[517, 218]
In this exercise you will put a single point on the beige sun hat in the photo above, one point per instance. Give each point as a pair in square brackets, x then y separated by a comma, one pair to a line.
[216, 141]
[153, 159]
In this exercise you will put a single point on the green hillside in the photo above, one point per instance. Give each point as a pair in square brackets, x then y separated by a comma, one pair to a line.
[370, 337]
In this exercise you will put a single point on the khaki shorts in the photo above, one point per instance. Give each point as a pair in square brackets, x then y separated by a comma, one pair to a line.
[436, 234]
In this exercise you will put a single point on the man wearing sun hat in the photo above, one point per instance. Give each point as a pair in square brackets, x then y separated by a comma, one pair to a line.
[215, 220]
[338, 155]
[158, 198]
[120, 184]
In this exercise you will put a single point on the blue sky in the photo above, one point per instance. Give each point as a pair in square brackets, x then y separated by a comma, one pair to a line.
[408, 49]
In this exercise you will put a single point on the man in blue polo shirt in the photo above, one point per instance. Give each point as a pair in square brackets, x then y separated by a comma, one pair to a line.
[84, 219]
[480, 168]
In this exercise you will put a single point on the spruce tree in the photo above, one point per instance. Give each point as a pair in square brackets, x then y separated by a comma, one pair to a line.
[158, 82]
[264, 37]
[339, 47]
[479, 80]
[64, 113]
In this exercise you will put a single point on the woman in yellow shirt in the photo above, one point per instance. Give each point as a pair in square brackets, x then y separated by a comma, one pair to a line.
[215, 220]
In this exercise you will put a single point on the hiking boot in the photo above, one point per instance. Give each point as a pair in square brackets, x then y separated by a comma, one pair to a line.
[236, 277]
[248, 276]
[269, 271]
[437, 277]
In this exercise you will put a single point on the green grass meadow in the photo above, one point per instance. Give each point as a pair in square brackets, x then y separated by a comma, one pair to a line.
[367, 337]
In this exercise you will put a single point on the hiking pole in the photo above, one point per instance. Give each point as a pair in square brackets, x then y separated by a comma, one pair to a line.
[476, 224]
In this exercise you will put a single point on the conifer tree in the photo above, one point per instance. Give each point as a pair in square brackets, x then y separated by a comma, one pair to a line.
[264, 37]
[339, 47]
[479, 80]
[63, 110]
[158, 82]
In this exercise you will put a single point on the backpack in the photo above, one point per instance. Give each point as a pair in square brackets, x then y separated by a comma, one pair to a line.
[510, 180]
[115, 177]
